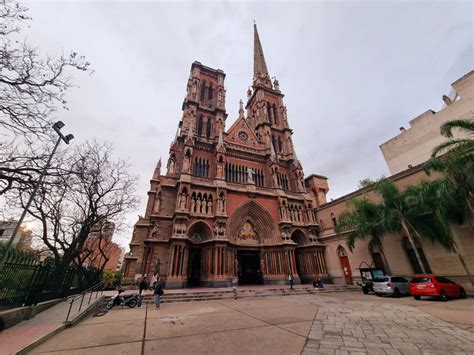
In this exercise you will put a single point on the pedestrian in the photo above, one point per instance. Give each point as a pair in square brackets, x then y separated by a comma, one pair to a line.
[142, 286]
[290, 279]
[154, 278]
[318, 284]
[158, 292]
[234, 286]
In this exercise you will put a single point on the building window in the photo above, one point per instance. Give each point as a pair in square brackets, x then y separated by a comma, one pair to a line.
[275, 114]
[201, 167]
[199, 128]
[412, 256]
[208, 127]
[334, 220]
[239, 174]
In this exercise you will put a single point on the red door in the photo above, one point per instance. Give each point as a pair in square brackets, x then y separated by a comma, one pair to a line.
[346, 269]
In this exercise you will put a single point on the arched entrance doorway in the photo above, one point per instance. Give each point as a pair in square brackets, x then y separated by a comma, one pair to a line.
[412, 256]
[346, 267]
[197, 233]
[300, 239]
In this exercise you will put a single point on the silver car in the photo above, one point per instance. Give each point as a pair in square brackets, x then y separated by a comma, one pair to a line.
[391, 285]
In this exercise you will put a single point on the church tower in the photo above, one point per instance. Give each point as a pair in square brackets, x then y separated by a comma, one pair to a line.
[231, 203]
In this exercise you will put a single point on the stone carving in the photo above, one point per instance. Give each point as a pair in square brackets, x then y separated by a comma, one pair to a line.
[220, 97]
[179, 227]
[154, 231]
[219, 229]
[250, 175]
[220, 171]
[182, 201]
[196, 237]
[275, 179]
[194, 89]
[157, 206]
[276, 84]
[171, 166]
[193, 203]
[186, 164]
[209, 206]
[221, 204]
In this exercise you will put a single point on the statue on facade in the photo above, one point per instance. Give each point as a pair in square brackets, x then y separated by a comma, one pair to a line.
[182, 201]
[186, 164]
[250, 175]
[198, 205]
[157, 205]
[154, 231]
[220, 171]
[275, 179]
[276, 84]
[171, 166]
[193, 204]
[194, 89]
[209, 206]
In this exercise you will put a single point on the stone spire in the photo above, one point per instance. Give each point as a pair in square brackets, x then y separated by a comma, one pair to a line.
[260, 71]
[241, 109]
[157, 172]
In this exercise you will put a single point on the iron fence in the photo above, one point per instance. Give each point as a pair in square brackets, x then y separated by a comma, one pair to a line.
[26, 281]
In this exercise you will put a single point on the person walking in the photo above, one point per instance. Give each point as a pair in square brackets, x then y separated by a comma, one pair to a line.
[290, 280]
[158, 291]
[234, 286]
[142, 286]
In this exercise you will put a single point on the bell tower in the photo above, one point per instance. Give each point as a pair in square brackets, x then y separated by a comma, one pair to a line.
[267, 114]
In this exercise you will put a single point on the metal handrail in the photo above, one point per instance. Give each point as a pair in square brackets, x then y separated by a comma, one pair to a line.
[99, 287]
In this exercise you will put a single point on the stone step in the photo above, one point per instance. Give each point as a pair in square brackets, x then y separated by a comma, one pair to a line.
[184, 296]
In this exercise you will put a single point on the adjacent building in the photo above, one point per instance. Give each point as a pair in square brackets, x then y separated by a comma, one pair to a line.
[415, 144]
[23, 239]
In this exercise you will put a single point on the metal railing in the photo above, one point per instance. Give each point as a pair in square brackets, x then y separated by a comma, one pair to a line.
[91, 290]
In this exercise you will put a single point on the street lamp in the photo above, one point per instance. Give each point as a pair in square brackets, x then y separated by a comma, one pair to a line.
[66, 139]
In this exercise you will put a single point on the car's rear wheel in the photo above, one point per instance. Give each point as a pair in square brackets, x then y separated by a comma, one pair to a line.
[365, 290]
[379, 294]
[462, 293]
[417, 297]
[396, 293]
[442, 296]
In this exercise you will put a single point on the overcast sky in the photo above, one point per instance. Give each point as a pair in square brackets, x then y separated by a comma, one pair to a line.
[352, 72]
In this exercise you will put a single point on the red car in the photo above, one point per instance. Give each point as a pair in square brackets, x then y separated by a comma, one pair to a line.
[435, 286]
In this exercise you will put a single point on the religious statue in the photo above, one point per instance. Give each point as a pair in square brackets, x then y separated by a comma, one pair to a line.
[171, 166]
[219, 205]
[275, 179]
[209, 207]
[186, 164]
[220, 171]
[250, 175]
[194, 89]
[157, 204]
[182, 201]
[154, 231]
[249, 93]
[193, 204]
[198, 205]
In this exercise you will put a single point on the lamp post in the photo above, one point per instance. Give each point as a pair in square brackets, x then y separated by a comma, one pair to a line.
[57, 127]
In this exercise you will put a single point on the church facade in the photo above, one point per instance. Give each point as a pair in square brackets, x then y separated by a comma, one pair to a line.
[232, 202]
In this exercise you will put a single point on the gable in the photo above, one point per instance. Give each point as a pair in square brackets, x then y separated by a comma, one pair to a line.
[240, 133]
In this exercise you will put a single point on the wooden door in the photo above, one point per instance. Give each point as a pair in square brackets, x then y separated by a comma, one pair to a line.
[346, 269]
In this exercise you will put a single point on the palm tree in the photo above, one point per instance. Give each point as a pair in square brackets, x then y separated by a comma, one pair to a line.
[455, 158]
[397, 214]
[364, 221]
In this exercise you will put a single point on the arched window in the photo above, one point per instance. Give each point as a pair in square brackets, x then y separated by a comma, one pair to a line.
[412, 256]
[275, 114]
[334, 220]
[280, 145]
[376, 256]
[199, 130]
[210, 92]
[341, 252]
[203, 90]
[209, 127]
[269, 113]
[274, 142]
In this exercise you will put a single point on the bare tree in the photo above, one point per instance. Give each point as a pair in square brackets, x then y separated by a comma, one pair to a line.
[32, 88]
[69, 206]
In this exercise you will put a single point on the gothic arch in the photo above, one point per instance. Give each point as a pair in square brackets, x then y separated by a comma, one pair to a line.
[261, 220]
[199, 231]
[299, 237]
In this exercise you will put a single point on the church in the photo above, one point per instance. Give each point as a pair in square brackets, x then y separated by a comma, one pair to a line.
[233, 202]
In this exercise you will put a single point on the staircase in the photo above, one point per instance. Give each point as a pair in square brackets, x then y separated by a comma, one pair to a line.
[188, 295]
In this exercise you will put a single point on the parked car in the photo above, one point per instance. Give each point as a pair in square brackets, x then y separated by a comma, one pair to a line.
[391, 285]
[435, 286]
[367, 277]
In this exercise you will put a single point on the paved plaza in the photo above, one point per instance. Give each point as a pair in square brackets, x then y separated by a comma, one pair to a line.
[333, 323]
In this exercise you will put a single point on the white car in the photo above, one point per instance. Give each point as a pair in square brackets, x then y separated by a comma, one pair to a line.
[391, 285]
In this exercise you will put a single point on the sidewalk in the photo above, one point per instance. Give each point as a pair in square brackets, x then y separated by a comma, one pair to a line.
[49, 321]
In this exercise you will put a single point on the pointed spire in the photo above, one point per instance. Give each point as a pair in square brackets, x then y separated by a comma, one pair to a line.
[259, 64]
[157, 172]
[241, 109]
[175, 140]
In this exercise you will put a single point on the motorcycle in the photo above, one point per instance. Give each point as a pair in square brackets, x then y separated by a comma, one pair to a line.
[130, 300]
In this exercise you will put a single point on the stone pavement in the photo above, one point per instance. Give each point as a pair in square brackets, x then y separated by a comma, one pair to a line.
[338, 323]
